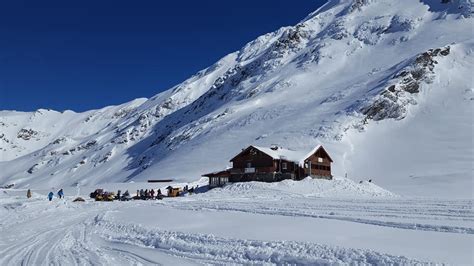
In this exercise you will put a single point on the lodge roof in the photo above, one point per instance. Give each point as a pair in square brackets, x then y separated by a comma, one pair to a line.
[224, 173]
[286, 154]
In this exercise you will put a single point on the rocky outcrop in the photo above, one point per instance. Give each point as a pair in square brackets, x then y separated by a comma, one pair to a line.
[394, 100]
[27, 134]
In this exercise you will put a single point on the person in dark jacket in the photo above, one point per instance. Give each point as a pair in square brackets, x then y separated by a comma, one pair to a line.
[61, 193]
[28, 193]
[152, 193]
[50, 196]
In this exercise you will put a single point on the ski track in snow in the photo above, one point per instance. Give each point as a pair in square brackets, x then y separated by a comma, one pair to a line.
[74, 240]
[36, 232]
[381, 213]
[208, 248]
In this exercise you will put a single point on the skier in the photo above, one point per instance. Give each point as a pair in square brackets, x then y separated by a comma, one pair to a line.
[61, 193]
[119, 194]
[50, 196]
[28, 194]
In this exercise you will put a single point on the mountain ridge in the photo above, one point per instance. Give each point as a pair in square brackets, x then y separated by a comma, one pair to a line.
[341, 71]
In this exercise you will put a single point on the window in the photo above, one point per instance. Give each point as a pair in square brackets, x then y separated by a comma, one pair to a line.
[224, 180]
[284, 166]
[249, 164]
[320, 160]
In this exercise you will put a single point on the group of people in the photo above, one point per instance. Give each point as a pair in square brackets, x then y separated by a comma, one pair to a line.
[51, 194]
[148, 194]
[123, 197]
[60, 194]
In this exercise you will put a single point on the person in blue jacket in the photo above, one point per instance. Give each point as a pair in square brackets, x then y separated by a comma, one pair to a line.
[61, 193]
[50, 196]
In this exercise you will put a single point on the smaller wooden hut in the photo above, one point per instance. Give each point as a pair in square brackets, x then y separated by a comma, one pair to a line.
[218, 179]
[173, 191]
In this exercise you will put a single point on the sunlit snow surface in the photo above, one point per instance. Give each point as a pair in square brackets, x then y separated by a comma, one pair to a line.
[306, 222]
[297, 87]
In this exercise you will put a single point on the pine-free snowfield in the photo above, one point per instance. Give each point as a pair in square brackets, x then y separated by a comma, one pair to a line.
[242, 223]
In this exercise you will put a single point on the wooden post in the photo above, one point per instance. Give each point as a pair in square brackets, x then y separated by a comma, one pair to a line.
[309, 166]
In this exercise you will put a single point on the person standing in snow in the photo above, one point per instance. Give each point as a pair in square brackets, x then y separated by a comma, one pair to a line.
[152, 194]
[50, 196]
[60, 193]
[28, 193]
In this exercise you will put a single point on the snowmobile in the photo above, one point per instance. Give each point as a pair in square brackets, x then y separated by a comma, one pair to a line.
[97, 192]
[125, 197]
[105, 196]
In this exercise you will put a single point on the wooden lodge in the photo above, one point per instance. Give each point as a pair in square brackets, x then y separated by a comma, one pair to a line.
[274, 164]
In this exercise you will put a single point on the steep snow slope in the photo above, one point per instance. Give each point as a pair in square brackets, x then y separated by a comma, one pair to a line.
[384, 85]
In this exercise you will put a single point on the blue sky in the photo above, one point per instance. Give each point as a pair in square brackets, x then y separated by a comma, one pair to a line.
[83, 55]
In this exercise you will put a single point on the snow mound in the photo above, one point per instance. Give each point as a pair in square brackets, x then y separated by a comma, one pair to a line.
[308, 187]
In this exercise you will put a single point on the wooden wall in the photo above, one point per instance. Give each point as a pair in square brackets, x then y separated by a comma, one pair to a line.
[319, 168]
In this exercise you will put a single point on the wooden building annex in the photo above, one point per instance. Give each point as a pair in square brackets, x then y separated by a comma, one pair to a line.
[274, 164]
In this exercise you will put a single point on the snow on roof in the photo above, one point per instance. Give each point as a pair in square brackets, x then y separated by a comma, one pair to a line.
[289, 155]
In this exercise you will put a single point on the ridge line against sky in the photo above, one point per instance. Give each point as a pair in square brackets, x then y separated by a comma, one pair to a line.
[88, 55]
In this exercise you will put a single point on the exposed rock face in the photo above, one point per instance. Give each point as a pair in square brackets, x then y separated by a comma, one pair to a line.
[33, 169]
[347, 64]
[27, 134]
[394, 100]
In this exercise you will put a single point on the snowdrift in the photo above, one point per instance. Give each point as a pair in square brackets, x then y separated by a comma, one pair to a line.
[308, 187]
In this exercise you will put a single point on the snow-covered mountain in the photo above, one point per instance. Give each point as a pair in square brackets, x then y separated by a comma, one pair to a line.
[386, 86]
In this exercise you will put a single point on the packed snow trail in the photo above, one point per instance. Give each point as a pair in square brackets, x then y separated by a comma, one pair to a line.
[61, 233]
[37, 232]
[414, 214]
[201, 229]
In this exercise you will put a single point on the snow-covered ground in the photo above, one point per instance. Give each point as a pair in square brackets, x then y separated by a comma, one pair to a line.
[305, 222]
[386, 86]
